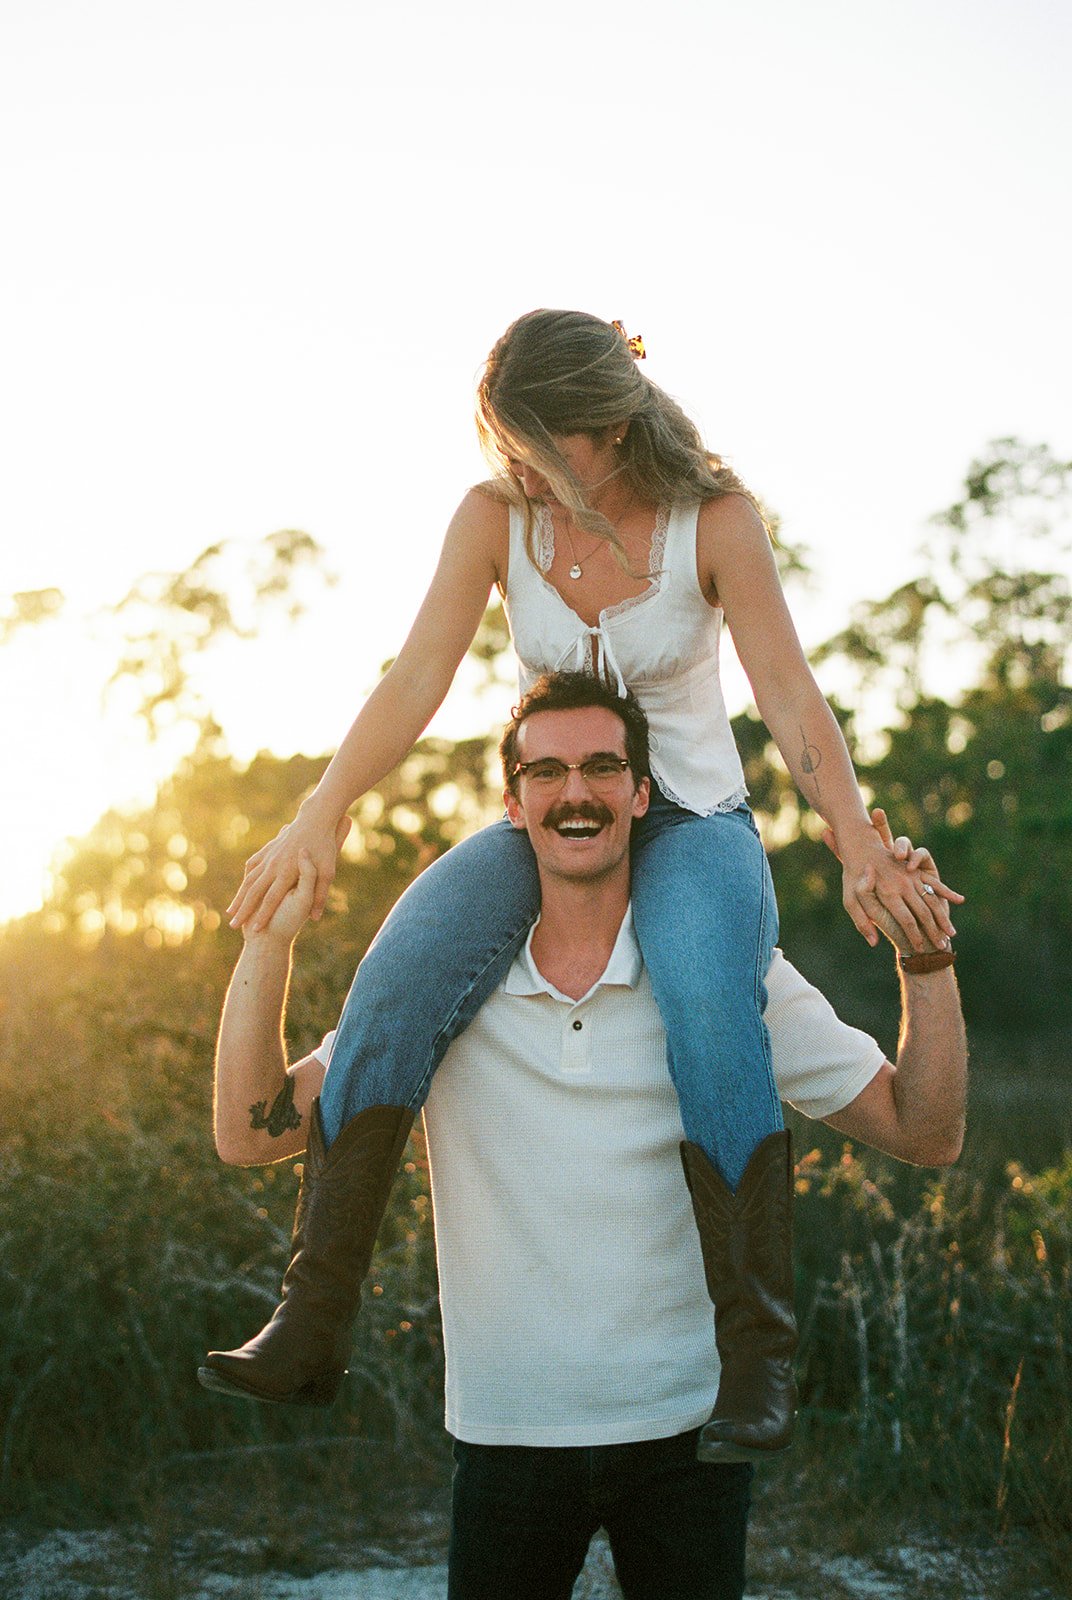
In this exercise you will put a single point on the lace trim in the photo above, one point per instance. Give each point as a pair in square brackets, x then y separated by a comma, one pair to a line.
[655, 568]
[545, 529]
[730, 803]
[545, 555]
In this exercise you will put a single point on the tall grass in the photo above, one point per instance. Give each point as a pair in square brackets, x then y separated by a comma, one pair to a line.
[935, 1339]
[935, 1308]
[127, 1250]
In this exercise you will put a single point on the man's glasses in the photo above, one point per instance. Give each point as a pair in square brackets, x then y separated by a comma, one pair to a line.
[549, 774]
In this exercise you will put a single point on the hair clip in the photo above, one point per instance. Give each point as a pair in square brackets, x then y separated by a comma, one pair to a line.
[636, 343]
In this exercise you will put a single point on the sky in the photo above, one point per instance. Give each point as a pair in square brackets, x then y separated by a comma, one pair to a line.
[255, 254]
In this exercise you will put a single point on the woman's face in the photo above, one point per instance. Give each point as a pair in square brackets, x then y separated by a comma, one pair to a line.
[591, 460]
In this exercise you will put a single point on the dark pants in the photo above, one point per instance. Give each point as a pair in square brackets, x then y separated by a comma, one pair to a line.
[524, 1517]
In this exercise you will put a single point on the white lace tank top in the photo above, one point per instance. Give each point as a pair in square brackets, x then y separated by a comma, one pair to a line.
[662, 644]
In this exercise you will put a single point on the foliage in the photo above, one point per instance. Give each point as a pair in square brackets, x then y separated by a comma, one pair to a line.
[987, 784]
[935, 1309]
[28, 607]
[995, 590]
[986, 779]
[127, 1249]
[161, 873]
[227, 592]
[938, 1315]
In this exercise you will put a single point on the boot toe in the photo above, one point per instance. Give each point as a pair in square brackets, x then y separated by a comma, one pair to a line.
[220, 1381]
[234, 1372]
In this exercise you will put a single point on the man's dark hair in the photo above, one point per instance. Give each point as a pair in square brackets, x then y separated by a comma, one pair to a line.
[576, 691]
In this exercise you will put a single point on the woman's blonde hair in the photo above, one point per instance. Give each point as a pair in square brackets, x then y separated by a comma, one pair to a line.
[564, 372]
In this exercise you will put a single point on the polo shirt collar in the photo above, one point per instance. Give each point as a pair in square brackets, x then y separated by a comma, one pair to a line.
[623, 968]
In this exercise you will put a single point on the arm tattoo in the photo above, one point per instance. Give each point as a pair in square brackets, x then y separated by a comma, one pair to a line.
[282, 1117]
[810, 759]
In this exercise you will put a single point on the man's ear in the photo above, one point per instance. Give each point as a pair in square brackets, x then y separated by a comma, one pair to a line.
[514, 809]
[642, 797]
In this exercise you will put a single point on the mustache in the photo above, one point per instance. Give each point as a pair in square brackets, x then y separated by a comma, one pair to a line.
[584, 811]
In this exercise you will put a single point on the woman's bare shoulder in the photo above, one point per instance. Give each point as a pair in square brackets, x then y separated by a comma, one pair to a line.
[731, 516]
[484, 511]
[730, 534]
[479, 534]
[493, 489]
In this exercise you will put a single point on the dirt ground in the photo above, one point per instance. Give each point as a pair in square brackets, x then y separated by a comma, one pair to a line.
[125, 1565]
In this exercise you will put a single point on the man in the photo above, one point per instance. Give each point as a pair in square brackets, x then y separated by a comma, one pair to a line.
[581, 1357]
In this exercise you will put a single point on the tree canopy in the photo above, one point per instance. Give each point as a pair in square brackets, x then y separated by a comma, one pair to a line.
[983, 773]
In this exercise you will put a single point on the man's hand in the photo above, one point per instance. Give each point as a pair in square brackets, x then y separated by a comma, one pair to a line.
[294, 909]
[920, 864]
[252, 1074]
[914, 1110]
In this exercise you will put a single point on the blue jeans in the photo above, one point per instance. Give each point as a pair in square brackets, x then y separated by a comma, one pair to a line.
[706, 922]
[523, 1518]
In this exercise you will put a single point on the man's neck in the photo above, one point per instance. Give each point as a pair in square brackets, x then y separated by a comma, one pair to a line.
[579, 924]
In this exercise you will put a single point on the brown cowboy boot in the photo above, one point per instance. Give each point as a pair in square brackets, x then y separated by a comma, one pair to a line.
[300, 1357]
[746, 1239]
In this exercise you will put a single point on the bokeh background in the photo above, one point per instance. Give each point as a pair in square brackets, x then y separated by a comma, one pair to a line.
[254, 256]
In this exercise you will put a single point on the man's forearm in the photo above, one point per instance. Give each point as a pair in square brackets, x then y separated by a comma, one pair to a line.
[915, 1110]
[930, 1085]
[254, 1106]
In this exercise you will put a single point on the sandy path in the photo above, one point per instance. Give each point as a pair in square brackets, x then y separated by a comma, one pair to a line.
[115, 1565]
[108, 1566]
[386, 1583]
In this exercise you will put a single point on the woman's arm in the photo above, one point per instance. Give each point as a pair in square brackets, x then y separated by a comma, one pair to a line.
[395, 714]
[736, 569]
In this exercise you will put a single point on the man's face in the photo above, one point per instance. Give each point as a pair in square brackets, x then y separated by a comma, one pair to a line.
[580, 830]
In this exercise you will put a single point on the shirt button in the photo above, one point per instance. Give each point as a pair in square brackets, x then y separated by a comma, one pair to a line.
[577, 1026]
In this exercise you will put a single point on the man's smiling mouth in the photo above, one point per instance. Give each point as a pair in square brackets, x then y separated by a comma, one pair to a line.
[578, 824]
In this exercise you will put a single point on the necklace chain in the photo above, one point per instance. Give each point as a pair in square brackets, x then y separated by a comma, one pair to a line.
[576, 570]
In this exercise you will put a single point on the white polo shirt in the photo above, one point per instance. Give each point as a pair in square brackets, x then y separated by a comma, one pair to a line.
[575, 1310]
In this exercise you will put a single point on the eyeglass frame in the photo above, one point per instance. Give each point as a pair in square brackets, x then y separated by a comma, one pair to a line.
[622, 763]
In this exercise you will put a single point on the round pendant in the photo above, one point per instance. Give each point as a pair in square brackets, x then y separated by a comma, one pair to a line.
[575, 570]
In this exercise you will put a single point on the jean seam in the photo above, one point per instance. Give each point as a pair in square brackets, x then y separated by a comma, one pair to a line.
[766, 1104]
[762, 944]
[444, 1037]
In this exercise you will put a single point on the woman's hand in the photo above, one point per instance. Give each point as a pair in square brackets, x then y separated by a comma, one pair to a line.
[274, 870]
[293, 910]
[904, 880]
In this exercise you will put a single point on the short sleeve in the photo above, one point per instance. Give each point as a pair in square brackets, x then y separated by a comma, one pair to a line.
[322, 1053]
[820, 1063]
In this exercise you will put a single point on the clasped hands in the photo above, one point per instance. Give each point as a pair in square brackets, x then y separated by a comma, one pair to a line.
[287, 880]
[891, 887]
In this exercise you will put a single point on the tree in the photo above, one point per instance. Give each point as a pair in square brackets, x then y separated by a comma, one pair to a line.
[983, 776]
[27, 608]
[169, 618]
[995, 594]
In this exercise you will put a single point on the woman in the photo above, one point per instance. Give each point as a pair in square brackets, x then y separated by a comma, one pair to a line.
[618, 543]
